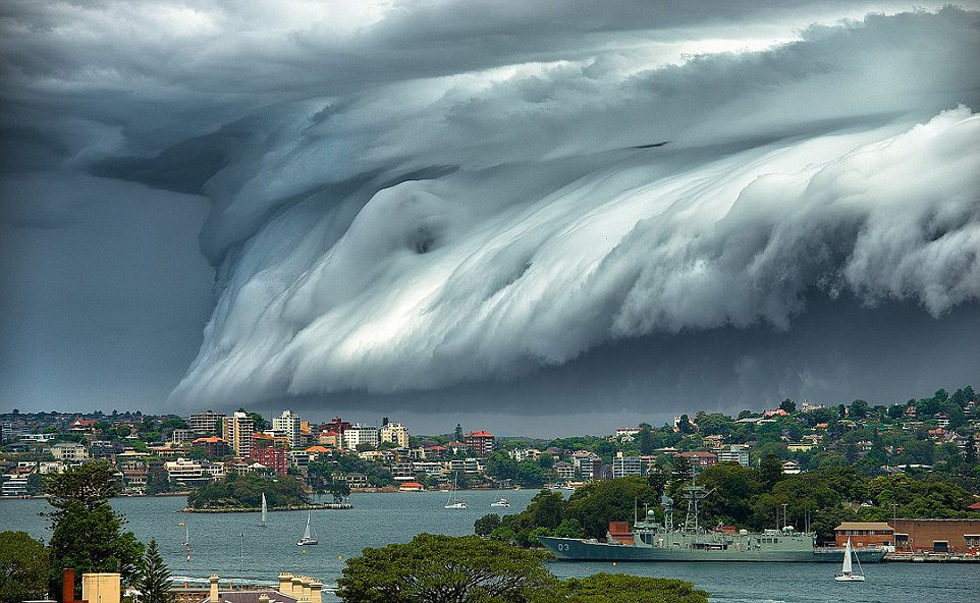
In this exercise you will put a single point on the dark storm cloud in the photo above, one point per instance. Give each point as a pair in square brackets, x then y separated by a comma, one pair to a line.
[418, 202]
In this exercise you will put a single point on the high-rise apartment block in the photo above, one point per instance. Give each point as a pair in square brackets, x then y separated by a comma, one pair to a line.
[355, 435]
[237, 431]
[394, 432]
[480, 442]
[206, 423]
[289, 424]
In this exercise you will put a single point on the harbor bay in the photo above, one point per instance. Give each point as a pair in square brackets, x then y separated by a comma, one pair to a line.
[378, 519]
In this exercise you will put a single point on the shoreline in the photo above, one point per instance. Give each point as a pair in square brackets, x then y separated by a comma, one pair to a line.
[313, 507]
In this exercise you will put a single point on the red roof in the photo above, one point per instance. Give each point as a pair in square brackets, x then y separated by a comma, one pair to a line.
[318, 449]
[210, 440]
[436, 448]
[974, 507]
[479, 434]
[411, 485]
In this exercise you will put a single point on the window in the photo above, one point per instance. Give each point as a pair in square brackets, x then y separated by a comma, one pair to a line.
[972, 541]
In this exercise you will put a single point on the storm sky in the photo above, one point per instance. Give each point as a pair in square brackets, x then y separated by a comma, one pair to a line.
[538, 218]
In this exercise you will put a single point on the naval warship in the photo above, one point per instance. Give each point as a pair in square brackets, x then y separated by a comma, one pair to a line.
[652, 541]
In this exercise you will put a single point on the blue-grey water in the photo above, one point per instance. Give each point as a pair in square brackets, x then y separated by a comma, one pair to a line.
[380, 519]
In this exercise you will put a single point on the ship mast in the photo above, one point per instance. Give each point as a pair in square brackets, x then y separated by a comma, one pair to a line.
[694, 494]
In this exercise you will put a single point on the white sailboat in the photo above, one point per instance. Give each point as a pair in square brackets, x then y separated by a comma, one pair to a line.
[454, 504]
[265, 510]
[502, 502]
[187, 535]
[309, 536]
[846, 571]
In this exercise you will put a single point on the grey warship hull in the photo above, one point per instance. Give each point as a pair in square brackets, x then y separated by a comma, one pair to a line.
[570, 549]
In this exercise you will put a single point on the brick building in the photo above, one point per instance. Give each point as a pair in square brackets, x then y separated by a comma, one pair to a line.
[700, 459]
[937, 535]
[481, 442]
[864, 534]
[276, 459]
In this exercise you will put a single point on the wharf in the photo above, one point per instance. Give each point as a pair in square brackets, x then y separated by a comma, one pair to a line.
[931, 558]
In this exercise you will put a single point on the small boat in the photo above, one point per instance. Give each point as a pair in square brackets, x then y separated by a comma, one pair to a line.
[187, 535]
[503, 502]
[309, 536]
[455, 504]
[265, 510]
[846, 571]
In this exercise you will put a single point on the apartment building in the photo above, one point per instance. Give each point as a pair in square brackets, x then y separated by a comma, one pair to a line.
[237, 430]
[290, 425]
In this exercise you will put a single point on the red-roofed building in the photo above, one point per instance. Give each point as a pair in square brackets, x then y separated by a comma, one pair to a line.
[215, 446]
[700, 459]
[481, 442]
[411, 487]
[82, 425]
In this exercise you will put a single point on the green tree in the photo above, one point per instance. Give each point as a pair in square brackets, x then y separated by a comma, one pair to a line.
[258, 421]
[154, 580]
[446, 569]
[623, 588]
[23, 567]
[598, 503]
[770, 471]
[788, 405]
[501, 466]
[486, 524]
[858, 409]
[86, 533]
[645, 441]
[157, 480]
[339, 489]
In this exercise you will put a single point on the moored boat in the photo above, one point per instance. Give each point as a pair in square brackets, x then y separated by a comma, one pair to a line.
[651, 541]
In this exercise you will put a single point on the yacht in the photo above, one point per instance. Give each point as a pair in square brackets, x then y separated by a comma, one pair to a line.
[309, 536]
[503, 502]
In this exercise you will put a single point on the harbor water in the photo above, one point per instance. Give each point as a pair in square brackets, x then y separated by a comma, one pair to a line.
[237, 548]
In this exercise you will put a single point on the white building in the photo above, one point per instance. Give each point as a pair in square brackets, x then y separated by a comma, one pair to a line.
[736, 453]
[237, 430]
[564, 471]
[206, 423]
[524, 454]
[394, 432]
[289, 424]
[69, 451]
[358, 434]
[186, 472]
[626, 465]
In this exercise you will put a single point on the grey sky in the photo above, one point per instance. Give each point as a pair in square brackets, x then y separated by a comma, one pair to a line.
[417, 208]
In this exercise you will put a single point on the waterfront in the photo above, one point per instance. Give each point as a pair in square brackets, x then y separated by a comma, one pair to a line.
[379, 519]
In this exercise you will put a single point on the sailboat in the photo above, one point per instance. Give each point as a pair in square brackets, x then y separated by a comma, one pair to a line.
[309, 536]
[187, 535]
[265, 510]
[846, 572]
[454, 504]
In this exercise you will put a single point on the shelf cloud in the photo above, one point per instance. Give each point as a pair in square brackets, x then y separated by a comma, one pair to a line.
[416, 204]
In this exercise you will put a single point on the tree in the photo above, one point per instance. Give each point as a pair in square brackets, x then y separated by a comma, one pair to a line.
[86, 533]
[339, 489]
[770, 470]
[258, 421]
[788, 405]
[154, 581]
[486, 524]
[446, 569]
[858, 409]
[645, 441]
[23, 567]
[157, 480]
[622, 588]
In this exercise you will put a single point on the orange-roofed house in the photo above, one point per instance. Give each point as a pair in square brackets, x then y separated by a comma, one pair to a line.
[215, 446]
[411, 487]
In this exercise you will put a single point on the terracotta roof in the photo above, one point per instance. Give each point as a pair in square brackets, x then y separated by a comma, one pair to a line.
[318, 449]
[479, 434]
